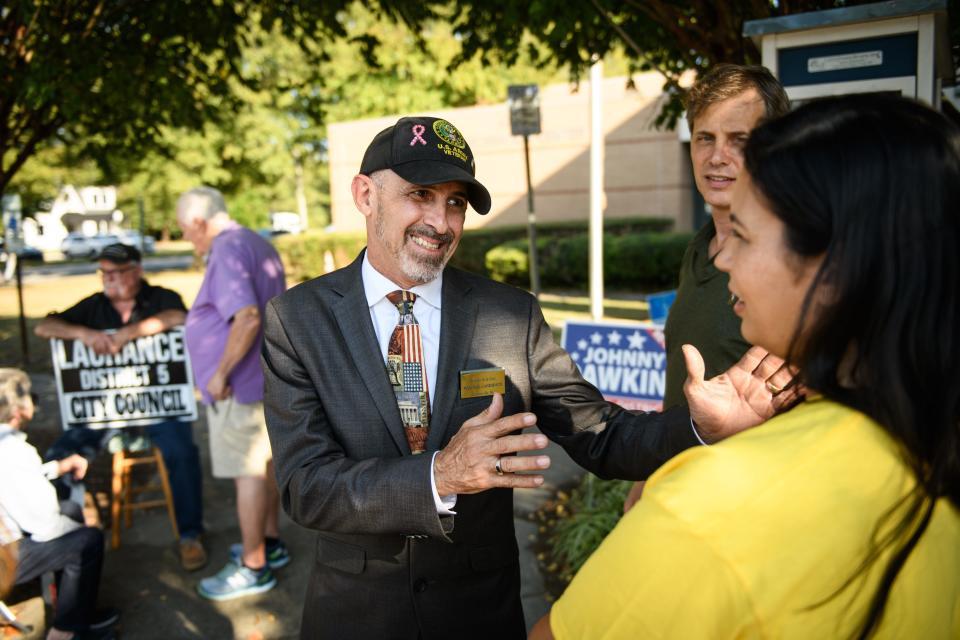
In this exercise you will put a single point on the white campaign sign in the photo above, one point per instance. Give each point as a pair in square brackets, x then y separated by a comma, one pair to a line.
[149, 381]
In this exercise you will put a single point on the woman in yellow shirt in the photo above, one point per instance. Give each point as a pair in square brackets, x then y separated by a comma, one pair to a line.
[840, 518]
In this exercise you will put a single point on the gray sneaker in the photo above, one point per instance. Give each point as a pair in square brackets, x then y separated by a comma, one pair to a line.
[277, 557]
[236, 581]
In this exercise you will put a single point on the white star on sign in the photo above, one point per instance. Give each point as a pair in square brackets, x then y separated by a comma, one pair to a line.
[614, 337]
[582, 345]
[636, 340]
[596, 338]
[574, 356]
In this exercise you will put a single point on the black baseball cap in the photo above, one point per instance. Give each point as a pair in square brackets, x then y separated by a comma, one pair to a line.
[118, 253]
[426, 151]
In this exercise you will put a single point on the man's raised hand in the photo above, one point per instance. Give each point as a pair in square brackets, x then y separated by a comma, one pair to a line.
[468, 464]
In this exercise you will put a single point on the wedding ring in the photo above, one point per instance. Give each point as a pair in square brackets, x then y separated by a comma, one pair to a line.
[498, 467]
[772, 388]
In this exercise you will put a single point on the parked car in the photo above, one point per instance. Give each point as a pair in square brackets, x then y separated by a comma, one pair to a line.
[133, 239]
[270, 234]
[78, 245]
[25, 252]
[30, 254]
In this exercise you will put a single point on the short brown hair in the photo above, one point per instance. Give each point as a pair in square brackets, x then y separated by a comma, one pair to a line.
[725, 81]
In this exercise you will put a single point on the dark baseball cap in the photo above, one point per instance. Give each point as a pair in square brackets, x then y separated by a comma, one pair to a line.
[426, 151]
[118, 253]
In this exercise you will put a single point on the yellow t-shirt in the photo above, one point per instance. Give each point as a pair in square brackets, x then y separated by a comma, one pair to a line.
[742, 539]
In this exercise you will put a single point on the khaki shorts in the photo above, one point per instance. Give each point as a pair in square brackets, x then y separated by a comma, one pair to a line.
[239, 445]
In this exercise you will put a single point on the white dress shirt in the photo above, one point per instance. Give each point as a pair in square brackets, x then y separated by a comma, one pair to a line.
[426, 309]
[28, 499]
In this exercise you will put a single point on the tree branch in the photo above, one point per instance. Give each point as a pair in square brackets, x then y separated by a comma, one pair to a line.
[24, 153]
[623, 34]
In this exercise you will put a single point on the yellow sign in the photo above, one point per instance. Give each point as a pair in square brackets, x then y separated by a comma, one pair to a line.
[482, 382]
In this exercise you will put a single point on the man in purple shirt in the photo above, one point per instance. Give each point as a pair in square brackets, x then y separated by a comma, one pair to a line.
[224, 335]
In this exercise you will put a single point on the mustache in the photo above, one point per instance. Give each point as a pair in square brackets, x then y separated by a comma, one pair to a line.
[429, 233]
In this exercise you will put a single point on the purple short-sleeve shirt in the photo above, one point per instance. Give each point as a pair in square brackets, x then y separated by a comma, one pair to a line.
[242, 269]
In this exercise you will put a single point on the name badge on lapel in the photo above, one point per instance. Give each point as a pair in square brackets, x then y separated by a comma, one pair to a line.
[477, 383]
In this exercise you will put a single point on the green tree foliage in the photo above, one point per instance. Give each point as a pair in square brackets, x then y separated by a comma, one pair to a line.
[106, 76]
[252, 157]
[668, 36]
[266, 125]
[418, 68]
[52, 166]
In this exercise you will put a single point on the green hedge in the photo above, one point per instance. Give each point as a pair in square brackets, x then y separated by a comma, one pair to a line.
[303, 254]
[562, 252]
[641, 260]
[472, 253]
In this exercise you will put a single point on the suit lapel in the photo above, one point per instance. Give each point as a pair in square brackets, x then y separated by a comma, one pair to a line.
[457, 321]
[353, 318]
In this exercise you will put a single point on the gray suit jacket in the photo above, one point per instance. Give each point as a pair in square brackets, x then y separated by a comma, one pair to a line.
[388, 566]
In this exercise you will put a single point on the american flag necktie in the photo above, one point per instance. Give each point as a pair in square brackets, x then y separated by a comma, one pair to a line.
[406, 372]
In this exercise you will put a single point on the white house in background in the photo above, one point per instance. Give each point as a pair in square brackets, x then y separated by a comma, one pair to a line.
[89, 210]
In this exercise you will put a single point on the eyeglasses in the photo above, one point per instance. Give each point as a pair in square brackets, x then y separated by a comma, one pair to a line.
[109, 273]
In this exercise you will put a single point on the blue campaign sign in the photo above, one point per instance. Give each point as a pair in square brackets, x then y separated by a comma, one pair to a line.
[627, 362]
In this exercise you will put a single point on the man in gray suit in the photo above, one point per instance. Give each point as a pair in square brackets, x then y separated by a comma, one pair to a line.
[423, 546]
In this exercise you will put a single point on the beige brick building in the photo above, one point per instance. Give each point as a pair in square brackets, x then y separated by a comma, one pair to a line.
[647, 171]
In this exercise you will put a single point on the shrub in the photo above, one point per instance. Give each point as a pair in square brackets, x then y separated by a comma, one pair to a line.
[647, 259]
[304, 254]
[562, 250]
[471, 255]
[574, 525]
[638, 261]
[508, 262]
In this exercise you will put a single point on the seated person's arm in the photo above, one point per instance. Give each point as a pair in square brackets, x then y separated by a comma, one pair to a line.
[74, 464]
[54, 327]
[150, 326]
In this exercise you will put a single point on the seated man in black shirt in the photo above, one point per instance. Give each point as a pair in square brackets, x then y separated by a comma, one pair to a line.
[126, 309]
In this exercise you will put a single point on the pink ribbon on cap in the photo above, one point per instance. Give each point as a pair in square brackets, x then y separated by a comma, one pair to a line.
[418, 130]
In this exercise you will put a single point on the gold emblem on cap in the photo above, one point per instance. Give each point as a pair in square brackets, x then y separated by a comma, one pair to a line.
[449, 134]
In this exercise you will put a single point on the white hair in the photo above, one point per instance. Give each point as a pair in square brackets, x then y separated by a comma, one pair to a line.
[14, 392]
[201, 202]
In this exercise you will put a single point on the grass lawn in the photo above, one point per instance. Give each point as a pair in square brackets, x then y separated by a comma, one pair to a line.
[42, 296]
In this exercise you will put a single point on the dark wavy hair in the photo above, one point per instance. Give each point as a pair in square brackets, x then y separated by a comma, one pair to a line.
[872, 183]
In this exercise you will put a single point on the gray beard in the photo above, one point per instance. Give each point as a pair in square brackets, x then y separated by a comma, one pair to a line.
[416, 268]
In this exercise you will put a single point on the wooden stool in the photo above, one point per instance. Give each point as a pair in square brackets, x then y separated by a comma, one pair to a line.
[124, 491]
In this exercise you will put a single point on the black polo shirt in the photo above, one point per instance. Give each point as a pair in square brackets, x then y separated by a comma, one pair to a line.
[96, 311]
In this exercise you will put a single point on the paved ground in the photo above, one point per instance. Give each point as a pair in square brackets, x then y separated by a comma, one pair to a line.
[158, 599]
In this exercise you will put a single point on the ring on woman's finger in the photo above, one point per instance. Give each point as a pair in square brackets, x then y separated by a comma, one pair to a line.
[498, 467]
[772, 388]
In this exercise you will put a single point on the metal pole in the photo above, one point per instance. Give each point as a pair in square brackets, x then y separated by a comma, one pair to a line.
[24, 344]
[596, 191]
[300, 191]
[531, 224]
[142, 225]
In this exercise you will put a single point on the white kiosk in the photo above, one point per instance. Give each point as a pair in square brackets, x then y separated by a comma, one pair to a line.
[901, 46]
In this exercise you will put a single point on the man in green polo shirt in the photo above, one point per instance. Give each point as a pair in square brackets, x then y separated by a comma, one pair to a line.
[723, 107]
